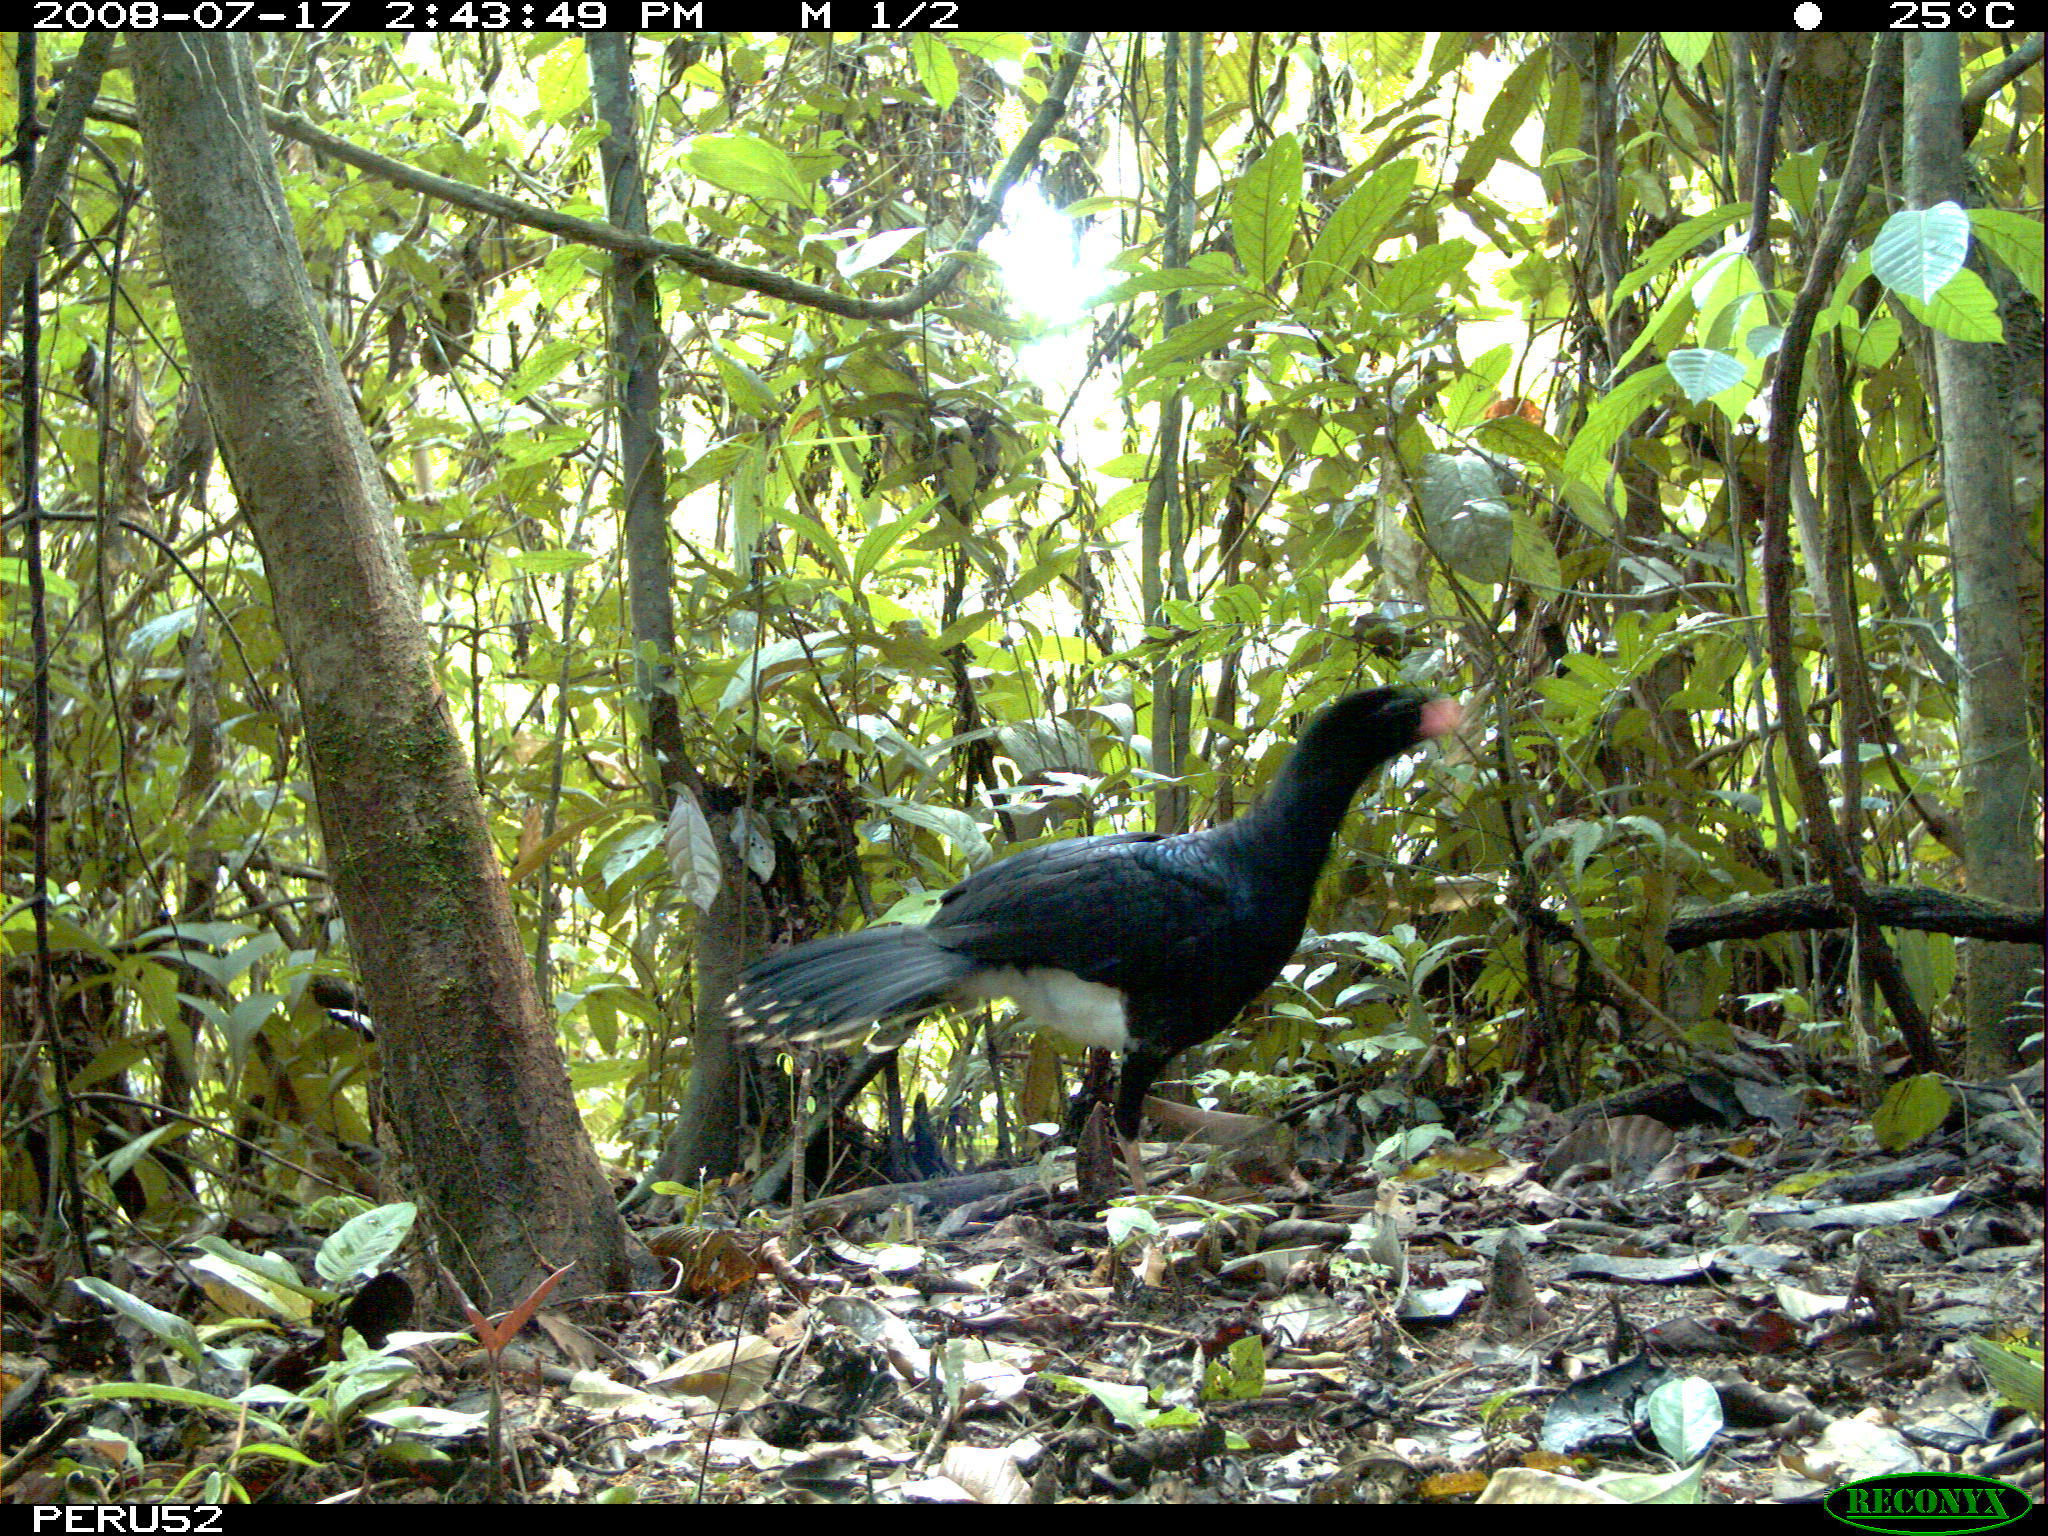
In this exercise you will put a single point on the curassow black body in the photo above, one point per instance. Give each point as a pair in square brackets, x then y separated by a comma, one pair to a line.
[1137, 941]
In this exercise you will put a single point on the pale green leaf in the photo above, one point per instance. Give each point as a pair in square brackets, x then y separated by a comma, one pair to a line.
[1262, 208]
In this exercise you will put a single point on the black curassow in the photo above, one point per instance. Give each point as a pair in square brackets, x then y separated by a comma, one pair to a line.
[1137, 941]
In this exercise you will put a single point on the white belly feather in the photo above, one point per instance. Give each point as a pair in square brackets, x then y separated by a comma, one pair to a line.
[1086, 1012]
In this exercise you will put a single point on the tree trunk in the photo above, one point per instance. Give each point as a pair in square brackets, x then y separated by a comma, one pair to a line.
[1999, 778]
[473, 1077]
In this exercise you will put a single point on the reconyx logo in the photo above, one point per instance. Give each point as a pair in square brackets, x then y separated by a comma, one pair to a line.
[1927, 1501]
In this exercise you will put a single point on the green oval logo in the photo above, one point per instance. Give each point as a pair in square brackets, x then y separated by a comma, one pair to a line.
[1916, 1502]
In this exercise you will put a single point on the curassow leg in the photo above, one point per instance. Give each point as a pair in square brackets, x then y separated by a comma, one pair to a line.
[1142, 1064]
[1134, 1158]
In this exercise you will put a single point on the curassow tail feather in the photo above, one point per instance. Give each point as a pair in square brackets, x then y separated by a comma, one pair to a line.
[832, 991]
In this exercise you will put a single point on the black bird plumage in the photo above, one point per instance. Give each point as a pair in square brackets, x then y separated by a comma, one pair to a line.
[1136, 941]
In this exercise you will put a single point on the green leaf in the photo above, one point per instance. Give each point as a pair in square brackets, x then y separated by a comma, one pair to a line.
[146, 639]
[550, 562]
[251, 1290]
[1912, 1109]
[1238, 1373]
[1524, 442]
[190, 1397]
[1964, 309]
[1471, 391]
[359, 1246]
[957, 827]
[517, 450]
[1127, 466]
[750, 392]
[824, 544]
[1929, 962]
[167, 1327]
[623, 858]
[543, 366]
[1612, 415]
[130, 1153]
[1206, 334]
[1351, 233]
[1920, 249]
[1685, 1415]
[1414, 283]
[783, 658]
[995, 47]
[421, 1420]
[1798, 177]
[274, 1451]
[2014, 239]
[562, 83]
[1730, 296]
[1535, 559]
[2012, 1375]
[1214, 274]
[963, 628]
[692, 851]
[750, 166]
[710, 467]
[1688, 49]
[867, 254]
[1678, 242]
[880, 540]
[1504, 115]
[1130, 1406]
[1675, 310]
[1703, 372]
[935, 67]
[273, 1267]
[1874, 345]
[1262, 208]
[748, 482]
[1468, 524]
